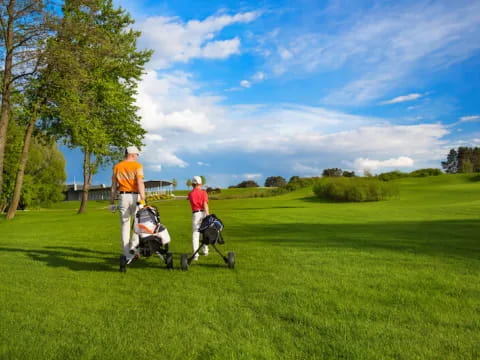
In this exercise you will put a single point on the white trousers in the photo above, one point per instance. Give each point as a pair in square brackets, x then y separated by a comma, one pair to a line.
[127, 205]
[196, 221]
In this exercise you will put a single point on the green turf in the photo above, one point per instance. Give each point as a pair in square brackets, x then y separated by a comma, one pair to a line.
[398, 279]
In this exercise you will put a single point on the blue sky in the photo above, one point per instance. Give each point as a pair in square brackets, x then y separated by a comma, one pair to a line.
[242, 90]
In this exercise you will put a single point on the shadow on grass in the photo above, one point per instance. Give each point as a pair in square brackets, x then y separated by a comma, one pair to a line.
[269, 208]
[434, 238]
[81, 259]
[475, 178]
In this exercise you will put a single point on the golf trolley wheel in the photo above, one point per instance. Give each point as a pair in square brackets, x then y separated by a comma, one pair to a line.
[184, 262]
[123, 263]
[231, 260]
[169, 260]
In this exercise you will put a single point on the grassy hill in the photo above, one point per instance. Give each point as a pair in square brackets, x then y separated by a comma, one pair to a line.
[397, 279]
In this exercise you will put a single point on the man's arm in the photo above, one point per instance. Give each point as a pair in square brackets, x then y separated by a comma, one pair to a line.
[141, 187]
[113, 192]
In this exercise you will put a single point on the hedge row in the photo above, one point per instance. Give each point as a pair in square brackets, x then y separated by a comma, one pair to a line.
[159, 197]
[354, 189]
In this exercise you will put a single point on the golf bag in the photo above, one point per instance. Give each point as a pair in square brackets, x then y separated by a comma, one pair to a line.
[147, 223]
[211, 228]
[153, 238]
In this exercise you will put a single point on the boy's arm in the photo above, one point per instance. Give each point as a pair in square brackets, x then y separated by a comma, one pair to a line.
[205, 204]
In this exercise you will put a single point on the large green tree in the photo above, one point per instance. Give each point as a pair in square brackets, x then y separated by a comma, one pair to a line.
[93, 70]
[275, 181]
[23, 26]
[462, 160]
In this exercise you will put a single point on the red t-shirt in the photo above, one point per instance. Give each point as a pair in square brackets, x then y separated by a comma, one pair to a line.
[197, 198]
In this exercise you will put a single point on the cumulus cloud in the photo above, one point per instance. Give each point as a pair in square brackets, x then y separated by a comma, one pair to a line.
[176, 41]
[245, 83]
[183, 121]
[373, 165]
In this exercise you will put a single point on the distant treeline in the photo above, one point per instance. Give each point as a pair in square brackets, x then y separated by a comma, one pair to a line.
[462, 160]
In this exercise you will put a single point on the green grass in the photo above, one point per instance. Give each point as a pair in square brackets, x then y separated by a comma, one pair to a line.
[397, 279]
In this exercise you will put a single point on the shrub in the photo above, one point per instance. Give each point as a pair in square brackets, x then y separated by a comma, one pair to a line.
[426, 172]
[298, 183]
[275, 181]
[211, 191]
[354, 189]
[333, 172]
[392, 175]
[247, 184]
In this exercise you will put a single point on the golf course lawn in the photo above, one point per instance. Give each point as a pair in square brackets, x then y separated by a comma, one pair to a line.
[397, 279]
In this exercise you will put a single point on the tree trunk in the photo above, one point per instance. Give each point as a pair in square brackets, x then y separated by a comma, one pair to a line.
[87, 179]
[6, 87]
[21, 167]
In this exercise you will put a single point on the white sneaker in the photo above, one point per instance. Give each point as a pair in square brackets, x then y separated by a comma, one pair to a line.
[204, 251]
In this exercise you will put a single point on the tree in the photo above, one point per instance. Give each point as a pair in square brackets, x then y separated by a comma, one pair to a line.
[174, 183]
[451, 164]
[204, 180]
[247, 184]
[275, 181]
[93, 70]
[462, 160]
[23, 24]
[333, 172]
[348, 174]
[44, 174]
[294, 178]
[189, 183]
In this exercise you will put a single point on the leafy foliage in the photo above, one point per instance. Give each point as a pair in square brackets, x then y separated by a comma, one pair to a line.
[333, 172]
[392, 175]
[92, 74]
[462, 160]
[354, 189]
[275, 181]
[426, 172]
[45, 172]
[246, 184]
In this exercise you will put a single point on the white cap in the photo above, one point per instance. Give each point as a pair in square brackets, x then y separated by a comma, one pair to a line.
[133, 150]
[197, 180]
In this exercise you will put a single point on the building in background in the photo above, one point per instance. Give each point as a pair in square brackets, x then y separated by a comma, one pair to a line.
[73, 191]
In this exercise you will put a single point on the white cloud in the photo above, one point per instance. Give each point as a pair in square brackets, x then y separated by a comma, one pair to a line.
[245, 83]
[373, 165]
[176, 41]
[252, 176]
[382, 46]
[403, 98]
[255, 78]
[471, 118]
[258, 76]
[184, 123]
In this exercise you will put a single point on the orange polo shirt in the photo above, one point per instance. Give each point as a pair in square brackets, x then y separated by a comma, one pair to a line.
[126, 174]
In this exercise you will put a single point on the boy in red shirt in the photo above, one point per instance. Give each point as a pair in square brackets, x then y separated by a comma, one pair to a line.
[199, 202]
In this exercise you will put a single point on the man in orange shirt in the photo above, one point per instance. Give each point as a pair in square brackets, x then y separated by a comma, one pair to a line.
[127, 179]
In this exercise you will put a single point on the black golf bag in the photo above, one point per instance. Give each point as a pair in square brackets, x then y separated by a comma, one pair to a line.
[211, 230]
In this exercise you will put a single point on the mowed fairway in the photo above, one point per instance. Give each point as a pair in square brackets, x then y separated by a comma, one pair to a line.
[398, 279]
